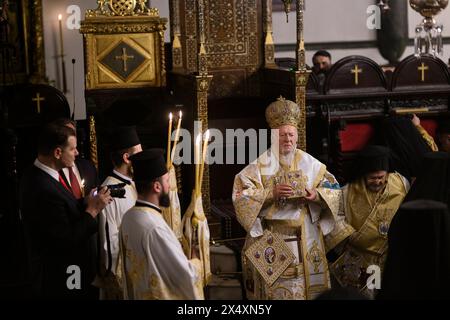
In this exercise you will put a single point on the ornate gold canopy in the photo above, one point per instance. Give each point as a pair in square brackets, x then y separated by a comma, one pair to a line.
[124, 45]
[108, 8]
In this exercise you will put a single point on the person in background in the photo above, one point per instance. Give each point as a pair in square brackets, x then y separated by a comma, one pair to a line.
[433, 180]
[406, 144]
[59, 228]
[321, 65]
[370, 201]
[82, 176]
[443, 134]
[125, 144]
[418, 261]
[321, 62]
[425, 135]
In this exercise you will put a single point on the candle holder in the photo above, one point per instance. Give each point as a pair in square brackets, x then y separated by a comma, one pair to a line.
[428, 37]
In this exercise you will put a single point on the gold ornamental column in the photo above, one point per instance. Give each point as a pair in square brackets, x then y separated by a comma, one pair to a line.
[269, 46]
[203, 81]
[177, 51]
[301, 75]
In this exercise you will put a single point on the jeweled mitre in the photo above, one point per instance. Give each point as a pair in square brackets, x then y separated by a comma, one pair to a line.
[282, 112]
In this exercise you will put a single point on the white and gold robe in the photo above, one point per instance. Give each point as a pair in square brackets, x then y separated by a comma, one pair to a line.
[154, 264]
[110, 284]
[369, 215]
[256, 211]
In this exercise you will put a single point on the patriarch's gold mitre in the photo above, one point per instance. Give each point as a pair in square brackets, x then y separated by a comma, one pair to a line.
[282, 112]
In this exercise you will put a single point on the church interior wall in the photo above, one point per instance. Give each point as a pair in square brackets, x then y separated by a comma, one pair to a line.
[328, 23]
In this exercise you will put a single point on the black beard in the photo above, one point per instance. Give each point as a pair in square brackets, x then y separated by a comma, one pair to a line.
[164, 200]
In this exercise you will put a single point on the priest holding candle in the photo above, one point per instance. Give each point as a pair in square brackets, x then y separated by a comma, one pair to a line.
[154, 264]
[172, 213]
[195, 225]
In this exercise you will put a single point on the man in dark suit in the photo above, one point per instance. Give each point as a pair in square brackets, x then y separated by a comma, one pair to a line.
[59, 227]
[83, 176]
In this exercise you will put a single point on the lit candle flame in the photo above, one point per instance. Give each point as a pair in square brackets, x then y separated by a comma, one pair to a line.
[82, 188]
[60, 17]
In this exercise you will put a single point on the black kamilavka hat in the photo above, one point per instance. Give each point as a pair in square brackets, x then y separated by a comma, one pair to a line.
[124, 138]
[148, 165]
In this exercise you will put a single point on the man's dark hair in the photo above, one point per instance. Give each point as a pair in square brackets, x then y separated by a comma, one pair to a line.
[144, 186]
[53, 136]
[117, 157]
[64, 122]
[322, 53]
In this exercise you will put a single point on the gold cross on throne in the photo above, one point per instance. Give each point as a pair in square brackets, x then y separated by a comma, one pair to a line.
[38, 100]
[356, 71]
[423, 68]
[124, 57]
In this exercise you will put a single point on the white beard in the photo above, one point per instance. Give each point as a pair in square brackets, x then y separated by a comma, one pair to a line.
[286, 159]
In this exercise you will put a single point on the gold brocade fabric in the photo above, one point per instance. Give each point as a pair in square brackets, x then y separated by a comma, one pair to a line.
[428, 139]
[270, 256]
[172, 214]
[154, 265]
[370, 214]
[197, 235]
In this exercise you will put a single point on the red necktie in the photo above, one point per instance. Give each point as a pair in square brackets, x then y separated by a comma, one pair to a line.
[63, 182]
[76, 190]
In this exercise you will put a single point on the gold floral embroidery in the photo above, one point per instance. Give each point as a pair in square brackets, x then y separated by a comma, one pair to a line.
[315, 256]
[153, 281]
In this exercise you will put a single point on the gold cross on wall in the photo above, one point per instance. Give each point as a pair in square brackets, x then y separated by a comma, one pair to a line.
[423, 68]
[38, 100]
[356, 71]
[124, 57]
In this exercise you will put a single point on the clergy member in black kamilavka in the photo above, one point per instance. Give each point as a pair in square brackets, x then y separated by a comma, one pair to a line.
[418, 261]
[406, 144]
[154, 264]
[59, 228]
[432, 182]
[370, 201]
[125, 143]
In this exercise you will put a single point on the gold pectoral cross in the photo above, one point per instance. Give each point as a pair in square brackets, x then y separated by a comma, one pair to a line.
[423, 68]
[124, 57]
[356, 71]
[38, 100]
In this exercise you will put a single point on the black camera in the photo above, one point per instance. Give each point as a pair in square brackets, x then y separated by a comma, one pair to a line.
[117, 190]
